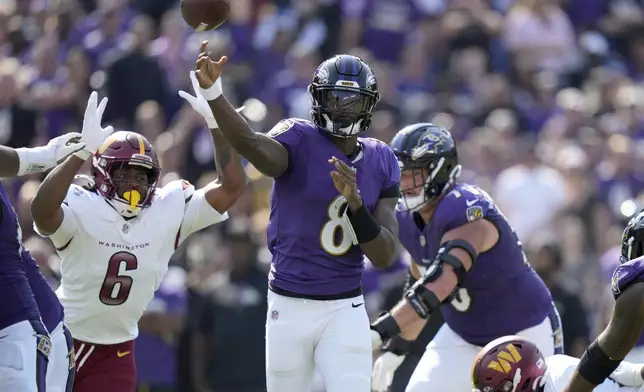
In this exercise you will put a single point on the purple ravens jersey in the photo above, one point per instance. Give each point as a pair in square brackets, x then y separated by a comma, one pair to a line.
[501, 295]
[51, 310]
[18, 302]
[313, 253]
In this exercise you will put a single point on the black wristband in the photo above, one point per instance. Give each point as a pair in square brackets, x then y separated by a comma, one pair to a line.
[364, 224]
[595, 366]
[398, 346]
[386, 326]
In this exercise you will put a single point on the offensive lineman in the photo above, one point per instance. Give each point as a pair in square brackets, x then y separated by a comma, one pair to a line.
[468, 258]
[626, 323]
[116, 235]
[513, 363]
[28, 359]
[333, 201]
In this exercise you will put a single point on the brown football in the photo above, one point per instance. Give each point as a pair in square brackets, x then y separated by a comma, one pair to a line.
[203, 15]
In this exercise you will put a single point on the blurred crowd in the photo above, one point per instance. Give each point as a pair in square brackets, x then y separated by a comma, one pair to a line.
[544, 97]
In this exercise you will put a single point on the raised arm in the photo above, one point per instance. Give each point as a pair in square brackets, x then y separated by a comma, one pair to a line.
[266, 154]
[46, 209]
[231, 180]
[21, 161]
[231, 177]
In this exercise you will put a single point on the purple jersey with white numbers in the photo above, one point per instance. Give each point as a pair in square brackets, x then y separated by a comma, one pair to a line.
[18, 302]
[501, 295]
[313, 253]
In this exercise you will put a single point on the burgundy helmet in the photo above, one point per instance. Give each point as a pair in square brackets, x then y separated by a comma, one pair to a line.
[122, 149]
[508, 364]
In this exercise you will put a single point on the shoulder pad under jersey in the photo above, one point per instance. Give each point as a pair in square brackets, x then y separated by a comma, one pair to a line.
[182, 186]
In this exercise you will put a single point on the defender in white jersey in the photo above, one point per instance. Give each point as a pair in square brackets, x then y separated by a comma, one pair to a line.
[115, 236]
[515, 364]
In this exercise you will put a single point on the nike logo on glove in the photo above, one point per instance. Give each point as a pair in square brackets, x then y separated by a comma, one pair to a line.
[357, 306]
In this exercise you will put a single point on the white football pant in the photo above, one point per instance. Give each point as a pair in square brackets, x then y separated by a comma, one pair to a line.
[447, 362]
[24, 347]
[303, 335]
[60, 372]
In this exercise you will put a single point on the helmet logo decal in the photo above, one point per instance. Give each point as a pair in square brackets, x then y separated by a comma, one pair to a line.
[504, 359]
[614, 282]
[429, 142]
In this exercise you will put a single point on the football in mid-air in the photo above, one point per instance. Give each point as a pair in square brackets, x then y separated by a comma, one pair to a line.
[204, 15]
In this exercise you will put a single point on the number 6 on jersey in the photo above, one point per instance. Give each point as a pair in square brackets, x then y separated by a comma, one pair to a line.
[116, 288]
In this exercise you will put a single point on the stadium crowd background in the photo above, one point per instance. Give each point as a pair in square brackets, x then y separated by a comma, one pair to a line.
[544, 96]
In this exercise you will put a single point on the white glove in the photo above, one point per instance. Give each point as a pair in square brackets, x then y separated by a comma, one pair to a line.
[383, 371]
[93, 135]
[199, 103]
[39, 159]
[376, 340]
[628, 374]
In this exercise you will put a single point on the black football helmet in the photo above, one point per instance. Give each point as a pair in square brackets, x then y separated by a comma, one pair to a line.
[633, 238]
[344, 93]
[427, 154]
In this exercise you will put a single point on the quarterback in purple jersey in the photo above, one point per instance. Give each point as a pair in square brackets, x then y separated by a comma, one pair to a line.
[25, 345]
[626, 323]
[333, 201]
[467, 260]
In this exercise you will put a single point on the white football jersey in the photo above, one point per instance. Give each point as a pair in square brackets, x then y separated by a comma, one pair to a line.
[111, 267]
[562, 367]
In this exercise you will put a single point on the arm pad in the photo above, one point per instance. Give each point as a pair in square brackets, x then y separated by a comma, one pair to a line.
[423, 300]
[445, 257]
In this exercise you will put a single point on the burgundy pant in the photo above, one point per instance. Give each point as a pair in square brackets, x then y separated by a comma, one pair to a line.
[104, 368]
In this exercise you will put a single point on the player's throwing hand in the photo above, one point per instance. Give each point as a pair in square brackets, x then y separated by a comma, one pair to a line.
[208, 71]
[344, 180]
[199, 103]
